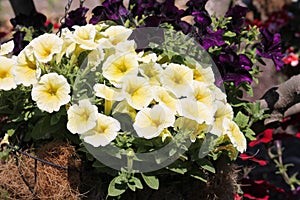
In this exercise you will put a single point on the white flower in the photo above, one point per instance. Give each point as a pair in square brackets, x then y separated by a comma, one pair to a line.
[51, 92]
[85, 36]
[109, 93]
[117, 34]
[205, 75]
[26, 71]
[152, 71]
[178, 79]
[150, 122]
[82, 117]
[152, 57]
[45, 46]
[6, 48]
[118, 66]
[137, 91]
[236, 137]
[165, 98]
[194, 110]
[203, 94]
[105, 131]
[7, 81]
[224, 111]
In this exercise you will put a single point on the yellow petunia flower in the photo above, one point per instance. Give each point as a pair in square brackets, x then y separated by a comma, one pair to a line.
[178, 79]
[7, 81]
[45, 46]
[150, 122]
[6, 48]
[85, 36]
[51, 92]
[224, 111]
[165, 98]
[205, 75]
[202, 93]
[109, 93]
[195, 110]
[118, 66]
[117, 34]
[26, 71]
[105, 131]
[137, 91]
[236, 137]
[82, 117]
[152, 71]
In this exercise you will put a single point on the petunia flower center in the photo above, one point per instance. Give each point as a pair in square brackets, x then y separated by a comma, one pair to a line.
[3, 74]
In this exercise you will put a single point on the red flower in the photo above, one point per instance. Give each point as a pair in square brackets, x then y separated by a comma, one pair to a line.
[264, 137]
[291, 59]
[245, 156]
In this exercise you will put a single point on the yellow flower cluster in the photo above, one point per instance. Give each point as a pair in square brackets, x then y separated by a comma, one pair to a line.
[157, 97]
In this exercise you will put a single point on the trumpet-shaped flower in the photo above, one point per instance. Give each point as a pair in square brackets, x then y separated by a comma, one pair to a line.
[150, 122]
[178, 79]
[45, 46]
[117, 34]
[109, 93]
[205, 75]
[224, 111]
[85, 36]
[7, 81]
[118, 66]
[124, 108]
[26, 71]
[51, 92]
[105, 131]
[82, 117]
[195, 110]
[6, 48]
[152, 71]
[202, 93]
[137, 91]
[236, 137]
[165, 98]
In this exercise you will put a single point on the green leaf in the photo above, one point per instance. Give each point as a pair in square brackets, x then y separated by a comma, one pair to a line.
[137, 182]
[131, 186]
[151, 181]
[241, 119]
[115, 189]
[10, 132]
[249, 133]
[199, 178]
[229, 34]
[207, 165]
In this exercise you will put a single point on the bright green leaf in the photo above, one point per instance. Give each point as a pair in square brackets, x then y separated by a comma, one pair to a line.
[151, 181]
[115, 189]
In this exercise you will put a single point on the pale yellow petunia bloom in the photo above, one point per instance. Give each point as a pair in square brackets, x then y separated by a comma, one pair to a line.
[109, 93]
[152, 71]
[224, 111]
[85, 36]
[205, 75]
[178, 79]
[118, 66]
[6, 48]
[82, 117]
[165, 98]
[105, 131]
[195, 110]
[7, 81]
[45, 46]
[51, 92]
[137, 91]
[26, 71]
[202, 93]
[150, 122]
[236, 137]
[117, 34]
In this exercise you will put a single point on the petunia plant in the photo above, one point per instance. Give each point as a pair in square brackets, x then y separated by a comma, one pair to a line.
[134, 90]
